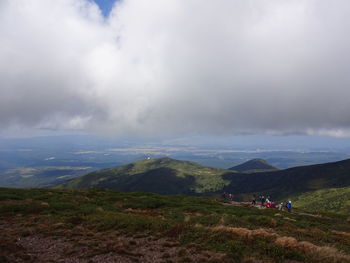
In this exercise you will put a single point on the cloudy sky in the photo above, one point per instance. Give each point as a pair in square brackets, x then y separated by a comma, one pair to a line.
[175, 67]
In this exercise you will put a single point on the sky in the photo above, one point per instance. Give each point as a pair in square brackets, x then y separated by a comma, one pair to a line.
[175, 67]
[105, 5]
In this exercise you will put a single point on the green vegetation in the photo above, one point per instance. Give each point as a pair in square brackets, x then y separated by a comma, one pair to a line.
[164, 176]
[254, 166]
[40, 176]
[315, 188]
[326, 200]
[283, 184]
[237, 233]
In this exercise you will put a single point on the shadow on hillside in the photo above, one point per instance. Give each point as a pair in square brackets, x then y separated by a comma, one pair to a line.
[160, 180]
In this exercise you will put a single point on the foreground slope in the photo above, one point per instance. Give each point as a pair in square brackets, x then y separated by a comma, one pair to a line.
[164, 176]
[48, 225]
[254, 165]
[293, 181]
[325, 200]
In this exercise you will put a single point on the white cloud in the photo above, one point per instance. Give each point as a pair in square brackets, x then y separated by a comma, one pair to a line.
[176, 66]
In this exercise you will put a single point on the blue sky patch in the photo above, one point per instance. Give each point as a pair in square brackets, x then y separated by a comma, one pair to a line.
[105, 6]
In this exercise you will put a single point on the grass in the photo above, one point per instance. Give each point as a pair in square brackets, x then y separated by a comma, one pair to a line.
[326, 200]
[164, 175]
[40, 176]
[243, 234]
[292, 182]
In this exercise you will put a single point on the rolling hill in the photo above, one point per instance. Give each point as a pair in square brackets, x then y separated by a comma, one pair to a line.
[294, 181]
[163, 176]
[253, 166]
[169, 176]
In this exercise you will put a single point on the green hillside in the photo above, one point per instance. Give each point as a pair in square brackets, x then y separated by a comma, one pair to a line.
[325, 200]
[292, 182]
[49, 225]
[169, 176]
[40, 176]
[164, 176]
[253, 166]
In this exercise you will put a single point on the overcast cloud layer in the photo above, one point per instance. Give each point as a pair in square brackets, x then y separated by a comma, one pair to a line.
[177, 66]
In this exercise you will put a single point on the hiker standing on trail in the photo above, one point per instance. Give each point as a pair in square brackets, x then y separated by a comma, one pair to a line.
[262, 200]
[224, 196]
[280, 206]
[254, 200]
[289, 206]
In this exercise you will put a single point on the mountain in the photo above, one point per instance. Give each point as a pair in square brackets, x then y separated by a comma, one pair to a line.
[169, 176]
[292, 182]
[253, 166]
[163, 176]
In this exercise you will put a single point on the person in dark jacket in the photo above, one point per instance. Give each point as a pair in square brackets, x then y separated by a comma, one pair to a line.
[262, 200]
[254, 200]
[224, 196]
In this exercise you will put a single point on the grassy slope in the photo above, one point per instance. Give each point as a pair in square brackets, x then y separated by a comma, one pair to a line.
[164, 175]
[243, 234]
[325, 200]
[254, 166]
[168, 176]
[294, 181]
[40, 176]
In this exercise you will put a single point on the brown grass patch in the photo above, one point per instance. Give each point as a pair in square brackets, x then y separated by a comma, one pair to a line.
[146, 212]
[246, 233]
[289, 219]
[45, 204]
[342, 233]
[176, 231]
[192, 214]
[316, 253]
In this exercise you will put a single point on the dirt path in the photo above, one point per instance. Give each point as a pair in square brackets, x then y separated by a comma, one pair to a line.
[259, 206]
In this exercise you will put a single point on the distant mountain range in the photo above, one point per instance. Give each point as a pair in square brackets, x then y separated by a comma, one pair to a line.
[169, 176]
[254, 165]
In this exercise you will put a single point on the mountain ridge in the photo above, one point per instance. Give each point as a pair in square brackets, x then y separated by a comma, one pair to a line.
[254, 165]
[157, 175]
[293, 181]
[169, 176]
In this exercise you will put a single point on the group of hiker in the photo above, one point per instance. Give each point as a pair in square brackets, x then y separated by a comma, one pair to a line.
[266, 202]
[263, 202]
[227, 196]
